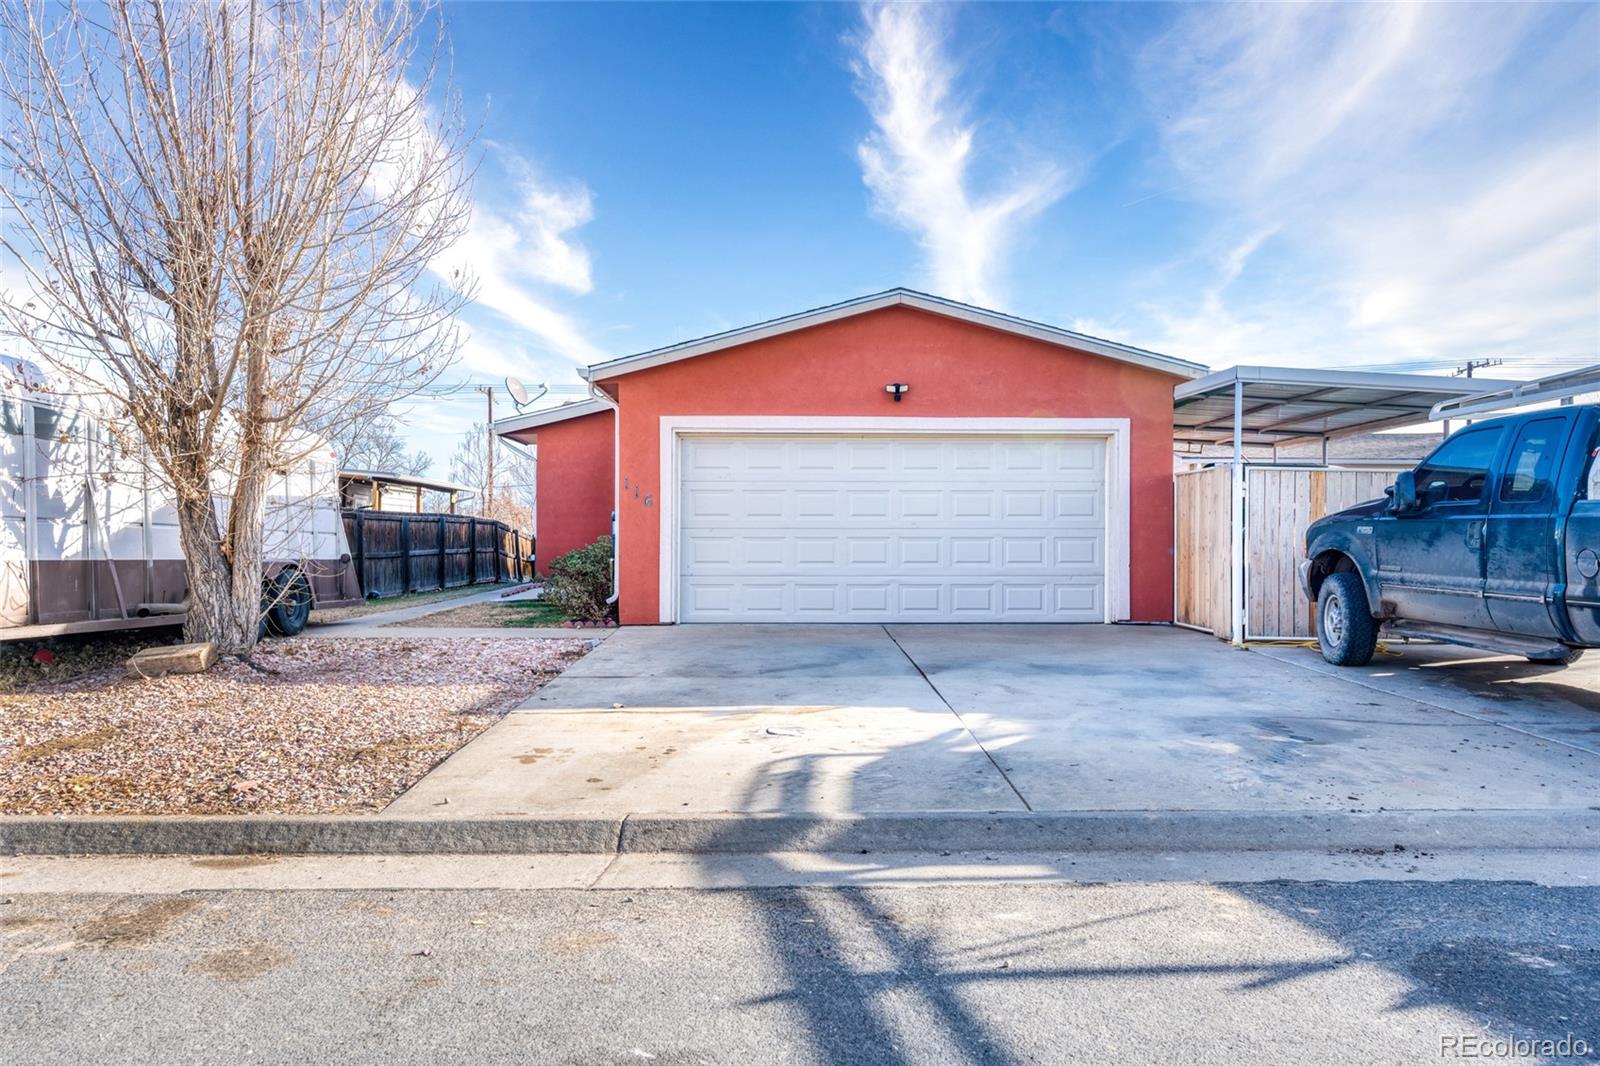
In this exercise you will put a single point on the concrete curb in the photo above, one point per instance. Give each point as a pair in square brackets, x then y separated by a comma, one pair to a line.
[306, 835]
[1221, 830]
[737, 833]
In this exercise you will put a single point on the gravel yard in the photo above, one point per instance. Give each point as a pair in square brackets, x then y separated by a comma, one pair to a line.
[335, 726]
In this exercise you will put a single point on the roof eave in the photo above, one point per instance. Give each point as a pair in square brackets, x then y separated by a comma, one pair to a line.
[1279, 375]
[550, 416]
[893, 298]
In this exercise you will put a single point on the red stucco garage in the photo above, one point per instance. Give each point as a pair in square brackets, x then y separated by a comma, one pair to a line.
[772, 474]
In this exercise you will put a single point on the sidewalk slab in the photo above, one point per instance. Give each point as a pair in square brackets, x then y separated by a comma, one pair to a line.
[172, 874]
[403, 614]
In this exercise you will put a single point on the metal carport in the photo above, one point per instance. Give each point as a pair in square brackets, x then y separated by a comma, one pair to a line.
[1273, 406]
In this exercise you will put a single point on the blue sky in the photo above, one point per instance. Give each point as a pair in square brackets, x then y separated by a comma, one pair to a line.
[1406, 186]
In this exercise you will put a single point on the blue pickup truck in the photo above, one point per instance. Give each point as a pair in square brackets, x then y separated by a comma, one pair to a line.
[1493, 541]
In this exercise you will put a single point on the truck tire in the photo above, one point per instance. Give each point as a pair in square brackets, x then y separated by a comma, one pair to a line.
[1567, 658]
[1346, 631]
[291, 603]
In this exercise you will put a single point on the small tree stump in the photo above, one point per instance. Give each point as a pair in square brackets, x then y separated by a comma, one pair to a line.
[173, 659]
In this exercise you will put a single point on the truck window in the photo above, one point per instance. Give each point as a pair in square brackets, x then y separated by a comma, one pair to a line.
[1458, 469]
[1533, 461]
[1591, 480]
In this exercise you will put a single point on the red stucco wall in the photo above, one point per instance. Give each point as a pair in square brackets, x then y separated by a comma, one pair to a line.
[955, 369]
[573, 484]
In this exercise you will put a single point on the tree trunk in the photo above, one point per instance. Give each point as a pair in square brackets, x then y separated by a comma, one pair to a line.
[217, 611]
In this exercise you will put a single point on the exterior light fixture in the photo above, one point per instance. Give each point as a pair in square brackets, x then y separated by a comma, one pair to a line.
[897, 390]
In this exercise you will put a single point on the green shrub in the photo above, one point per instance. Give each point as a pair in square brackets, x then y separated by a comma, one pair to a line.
[580, 581]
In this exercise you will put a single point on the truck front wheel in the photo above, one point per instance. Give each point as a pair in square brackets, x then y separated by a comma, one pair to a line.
[1346, 630]
[291, 603]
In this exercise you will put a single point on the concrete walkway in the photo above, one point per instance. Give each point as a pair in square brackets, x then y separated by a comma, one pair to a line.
[849, 720]
[377, 624]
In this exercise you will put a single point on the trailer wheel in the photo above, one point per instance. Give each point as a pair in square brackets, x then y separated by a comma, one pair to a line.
[291, 603]
[1567, 658]
[1346, 630]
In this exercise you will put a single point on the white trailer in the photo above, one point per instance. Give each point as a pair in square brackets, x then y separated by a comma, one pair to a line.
[89, 531]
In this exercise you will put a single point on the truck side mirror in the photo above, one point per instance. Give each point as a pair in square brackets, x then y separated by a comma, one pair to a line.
[1403, 494]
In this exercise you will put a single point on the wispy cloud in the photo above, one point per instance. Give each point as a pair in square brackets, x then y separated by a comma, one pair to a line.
[549, 214]
[513, 254]
[917, 161]
[1424, 201]
[519, 239]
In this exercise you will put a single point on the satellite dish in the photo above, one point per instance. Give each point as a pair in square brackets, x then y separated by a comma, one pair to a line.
[520, 395]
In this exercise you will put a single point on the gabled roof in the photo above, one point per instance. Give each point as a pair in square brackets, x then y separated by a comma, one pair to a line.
[894, 298]
[504, 427]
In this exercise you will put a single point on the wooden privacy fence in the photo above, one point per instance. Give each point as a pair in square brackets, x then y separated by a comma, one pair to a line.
[1204, 549]
[1280, 503]
[398, 552]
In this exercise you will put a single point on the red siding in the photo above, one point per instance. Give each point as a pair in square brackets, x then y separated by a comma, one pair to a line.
[954, 368]
[573, 488]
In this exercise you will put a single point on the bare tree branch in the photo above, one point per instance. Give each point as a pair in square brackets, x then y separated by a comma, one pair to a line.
[222, 216]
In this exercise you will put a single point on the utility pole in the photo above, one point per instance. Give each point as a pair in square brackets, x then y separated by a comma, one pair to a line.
[1466, 372]
[488, 503]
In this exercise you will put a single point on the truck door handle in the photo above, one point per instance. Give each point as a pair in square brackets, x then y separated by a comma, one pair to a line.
[1475, 534]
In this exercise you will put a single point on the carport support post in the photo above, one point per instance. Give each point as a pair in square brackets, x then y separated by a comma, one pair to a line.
[1236, 575]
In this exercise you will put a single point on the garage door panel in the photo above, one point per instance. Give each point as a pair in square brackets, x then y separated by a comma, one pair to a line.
[1079, 599]
[920, 552]
[1023, 599]
[866, 551]
[1022, 504]
[920, 503]
[817, 600]
[870, 503]
[1022, 551]
[883, 529]
[1082, 504]
[1076, 553]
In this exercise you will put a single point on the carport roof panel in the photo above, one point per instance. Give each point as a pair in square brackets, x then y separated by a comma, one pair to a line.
[1284, 404]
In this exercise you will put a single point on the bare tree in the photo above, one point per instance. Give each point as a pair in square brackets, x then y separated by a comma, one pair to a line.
[513, 500]
[224, 213]
[374, 444]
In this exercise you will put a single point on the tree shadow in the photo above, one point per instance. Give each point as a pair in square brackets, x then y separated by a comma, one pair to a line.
[858, 977]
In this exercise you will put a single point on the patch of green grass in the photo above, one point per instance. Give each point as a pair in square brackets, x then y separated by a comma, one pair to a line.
[513, 614]
[531, 613]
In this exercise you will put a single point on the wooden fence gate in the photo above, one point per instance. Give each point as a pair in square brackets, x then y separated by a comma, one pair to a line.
[397, 552]
[1280, 503]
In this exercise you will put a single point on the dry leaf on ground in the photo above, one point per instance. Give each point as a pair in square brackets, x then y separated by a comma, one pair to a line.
[337, 725]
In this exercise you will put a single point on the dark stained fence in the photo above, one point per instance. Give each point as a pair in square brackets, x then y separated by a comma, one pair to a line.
[396, 553]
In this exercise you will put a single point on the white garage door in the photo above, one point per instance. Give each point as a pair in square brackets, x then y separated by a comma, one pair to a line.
[879, 529]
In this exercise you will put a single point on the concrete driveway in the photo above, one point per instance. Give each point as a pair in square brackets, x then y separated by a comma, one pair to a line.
[855, 719]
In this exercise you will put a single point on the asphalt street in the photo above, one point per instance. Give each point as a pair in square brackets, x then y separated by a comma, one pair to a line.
[1272, 972]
